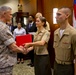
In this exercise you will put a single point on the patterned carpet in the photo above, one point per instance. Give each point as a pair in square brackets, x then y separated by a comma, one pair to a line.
[23, 69]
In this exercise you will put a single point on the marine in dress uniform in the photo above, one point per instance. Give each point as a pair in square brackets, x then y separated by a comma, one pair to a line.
[64, 44]
[41, 56]
[42, 60]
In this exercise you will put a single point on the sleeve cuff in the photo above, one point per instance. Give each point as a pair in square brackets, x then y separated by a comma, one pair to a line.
[8, 42]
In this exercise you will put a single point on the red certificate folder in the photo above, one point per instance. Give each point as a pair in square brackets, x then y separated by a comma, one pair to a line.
[21, 40]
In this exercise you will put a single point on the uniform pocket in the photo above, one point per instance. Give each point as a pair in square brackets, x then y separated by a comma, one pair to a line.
[66, 45]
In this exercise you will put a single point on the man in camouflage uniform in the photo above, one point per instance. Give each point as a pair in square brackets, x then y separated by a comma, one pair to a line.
[8, 47]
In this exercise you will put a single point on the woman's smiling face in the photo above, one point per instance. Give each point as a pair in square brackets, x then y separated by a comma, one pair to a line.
[39, 23]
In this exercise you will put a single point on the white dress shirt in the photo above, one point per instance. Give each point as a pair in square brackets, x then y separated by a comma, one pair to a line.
[18, 32]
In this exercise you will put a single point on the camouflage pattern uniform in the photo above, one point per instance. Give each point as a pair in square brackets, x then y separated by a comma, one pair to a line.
[7, 56]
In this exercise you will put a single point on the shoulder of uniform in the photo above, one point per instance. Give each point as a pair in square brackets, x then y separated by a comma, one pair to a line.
[2, 26]
[47, 32]
[56, 31]
[72, 30]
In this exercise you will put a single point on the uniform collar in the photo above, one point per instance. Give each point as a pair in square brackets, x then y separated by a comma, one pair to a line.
[41, 31]
[66, 32]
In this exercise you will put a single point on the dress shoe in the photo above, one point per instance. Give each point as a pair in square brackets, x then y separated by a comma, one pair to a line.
[22, 62]
[30, 64]
[18, 62]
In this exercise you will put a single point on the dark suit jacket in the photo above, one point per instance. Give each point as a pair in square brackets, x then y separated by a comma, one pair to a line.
[12, 28]
[33, 28]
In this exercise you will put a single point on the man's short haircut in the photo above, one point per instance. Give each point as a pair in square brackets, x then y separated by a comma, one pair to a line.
[67, 10]
[4, 9]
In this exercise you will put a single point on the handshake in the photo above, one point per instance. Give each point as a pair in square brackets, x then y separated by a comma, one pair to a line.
[26, 48]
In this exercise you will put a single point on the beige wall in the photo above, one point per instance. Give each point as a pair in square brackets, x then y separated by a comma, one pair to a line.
[12, 3]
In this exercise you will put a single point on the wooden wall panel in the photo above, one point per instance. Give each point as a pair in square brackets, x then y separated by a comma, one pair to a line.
[29, 6]
[39, 6]
[48, 6]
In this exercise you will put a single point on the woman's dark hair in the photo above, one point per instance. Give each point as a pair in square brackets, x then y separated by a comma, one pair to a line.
[19, 23]
[43, 19]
